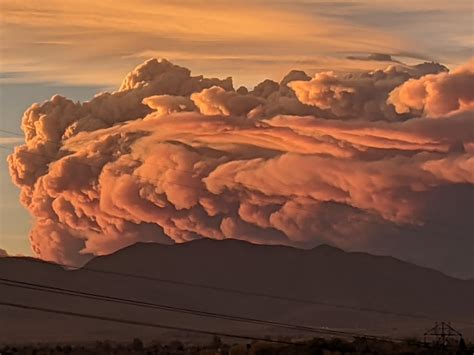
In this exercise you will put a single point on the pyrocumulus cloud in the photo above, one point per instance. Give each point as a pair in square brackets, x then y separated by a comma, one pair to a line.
[355, 160]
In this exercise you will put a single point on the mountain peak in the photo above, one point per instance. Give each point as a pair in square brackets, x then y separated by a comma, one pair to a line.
[326, 248]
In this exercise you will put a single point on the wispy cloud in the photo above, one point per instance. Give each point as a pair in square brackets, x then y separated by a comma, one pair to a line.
[11, 140]
[216, 38]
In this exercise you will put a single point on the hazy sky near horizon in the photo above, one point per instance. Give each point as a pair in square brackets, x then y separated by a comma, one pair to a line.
[80, 48]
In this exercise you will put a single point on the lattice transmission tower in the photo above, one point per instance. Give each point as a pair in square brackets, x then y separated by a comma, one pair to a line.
[441, 334]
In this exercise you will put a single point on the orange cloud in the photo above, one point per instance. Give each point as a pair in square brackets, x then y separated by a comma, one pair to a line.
[171, 157]
[211, 35]
[166, 104]
[360, 95]
[217, 101]
[437, 94]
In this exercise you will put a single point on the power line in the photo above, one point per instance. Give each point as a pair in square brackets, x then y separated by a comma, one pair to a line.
[113, 299]
[294, 327]
[246, 293]
[145, 324]
[94, 296]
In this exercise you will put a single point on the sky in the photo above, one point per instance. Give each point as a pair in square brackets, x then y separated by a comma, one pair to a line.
[49, 40]
[50, 47]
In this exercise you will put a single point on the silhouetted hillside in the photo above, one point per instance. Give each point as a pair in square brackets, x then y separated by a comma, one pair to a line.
[276, 283]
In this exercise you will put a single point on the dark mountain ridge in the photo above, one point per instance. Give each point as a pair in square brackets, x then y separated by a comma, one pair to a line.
[321, 287]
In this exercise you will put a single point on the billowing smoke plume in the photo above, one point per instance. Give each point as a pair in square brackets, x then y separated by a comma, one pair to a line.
[436, 95]
[353, 160]
[359, 96]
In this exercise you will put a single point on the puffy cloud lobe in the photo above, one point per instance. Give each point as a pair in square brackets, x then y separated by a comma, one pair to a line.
[46, 125]
[166, 104]
[3, 253]
[411, 135]
[388, 187]
[455, 169]
[171, 157]
[356, 95]
[437, 94]
[217, 101]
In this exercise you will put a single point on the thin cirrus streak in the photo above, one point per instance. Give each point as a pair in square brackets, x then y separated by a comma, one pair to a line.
[222, 38]
[352, 160]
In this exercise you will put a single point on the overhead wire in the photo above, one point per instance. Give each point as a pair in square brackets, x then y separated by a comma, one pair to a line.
[150, 305]
[244, 292]
[140, 323]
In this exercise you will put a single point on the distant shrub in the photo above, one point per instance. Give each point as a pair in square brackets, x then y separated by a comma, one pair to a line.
[137, 345]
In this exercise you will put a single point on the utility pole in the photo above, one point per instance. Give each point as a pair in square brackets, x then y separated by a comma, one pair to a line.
[441, 334]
